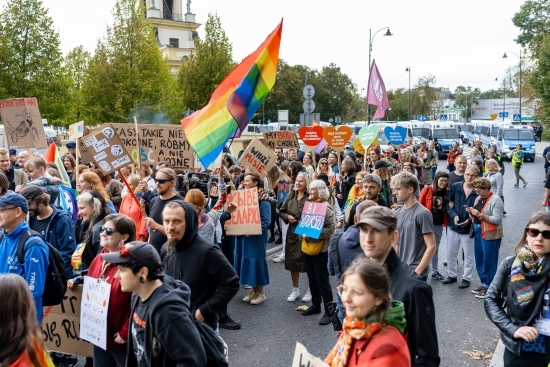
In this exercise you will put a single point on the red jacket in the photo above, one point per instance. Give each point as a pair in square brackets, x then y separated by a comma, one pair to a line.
[426, 199]
[118, 314]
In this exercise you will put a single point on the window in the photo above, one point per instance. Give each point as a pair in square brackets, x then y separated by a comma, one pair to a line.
[174, 42]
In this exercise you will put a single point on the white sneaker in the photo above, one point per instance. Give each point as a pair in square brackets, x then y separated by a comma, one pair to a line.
[294, 295]
[279, 259]
[307, 296]
[249, 296]
[258, 298]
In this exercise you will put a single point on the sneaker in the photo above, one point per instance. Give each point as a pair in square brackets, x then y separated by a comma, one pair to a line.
[258, 298]
[482, 294]
[246, 286]
[279, 259]
[307, 296]
[478, 289]
[464, 284]
[516, 185]
[437, 275]
[227, 323]
[445, 263]
[449, 280]
[294, 295]
[525, 183]
[249, 296]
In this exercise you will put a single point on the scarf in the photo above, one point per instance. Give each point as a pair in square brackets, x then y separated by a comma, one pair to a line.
[528, 282]
[364, 329]
[354, 194]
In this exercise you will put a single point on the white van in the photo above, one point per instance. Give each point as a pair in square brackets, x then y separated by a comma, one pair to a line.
[446, 134]
[414, 129]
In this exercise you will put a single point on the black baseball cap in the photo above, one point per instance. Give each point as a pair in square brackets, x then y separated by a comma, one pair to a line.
[140, 252]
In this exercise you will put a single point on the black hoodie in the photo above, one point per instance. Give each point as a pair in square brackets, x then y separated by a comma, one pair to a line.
[203, 267]
[169, 324]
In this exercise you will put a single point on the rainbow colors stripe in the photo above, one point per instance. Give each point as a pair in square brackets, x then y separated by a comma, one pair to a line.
[234, 101]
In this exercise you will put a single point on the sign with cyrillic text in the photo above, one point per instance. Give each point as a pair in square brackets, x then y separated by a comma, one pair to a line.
[302, 358]
[246, 218]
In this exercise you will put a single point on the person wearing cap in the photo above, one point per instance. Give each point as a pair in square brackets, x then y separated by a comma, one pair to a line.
[378, 236]
[13, 214]
[55, 225]
[415, 226]
[17, 177]
[381, 169]
[159, 311]
[372, 186]
[13, 158]
[202, 266]
[71, 148]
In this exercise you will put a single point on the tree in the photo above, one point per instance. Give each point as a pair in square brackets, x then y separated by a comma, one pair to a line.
[533, 20]
[207, 67]
[76, 65]
[423, 96]
[30, 57]
[540, 79]
[399, 103]
[128, 76]
[465, 98]
[286, 93]
[334, 92]
[491, 94]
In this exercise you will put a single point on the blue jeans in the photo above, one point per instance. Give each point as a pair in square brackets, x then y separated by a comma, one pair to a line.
[438, 232]
[486, 253]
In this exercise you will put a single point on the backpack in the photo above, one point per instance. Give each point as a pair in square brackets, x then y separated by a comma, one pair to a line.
[215, 347]
[55, 284]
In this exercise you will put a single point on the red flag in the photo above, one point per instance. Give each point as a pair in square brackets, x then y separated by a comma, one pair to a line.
[49, 156]
[376, 92]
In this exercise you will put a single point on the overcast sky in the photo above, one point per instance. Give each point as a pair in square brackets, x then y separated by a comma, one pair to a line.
[459, 42]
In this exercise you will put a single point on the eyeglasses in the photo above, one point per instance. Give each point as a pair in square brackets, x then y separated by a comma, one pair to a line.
[324, 163]
[6, 209]
[162, 181]
[533, 232]
[351, 292]
[108, 231]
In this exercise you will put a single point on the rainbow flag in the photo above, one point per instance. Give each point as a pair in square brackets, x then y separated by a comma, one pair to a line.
[234, 101]
[52, 156]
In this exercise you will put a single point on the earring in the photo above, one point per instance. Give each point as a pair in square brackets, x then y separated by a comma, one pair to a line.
[142, 280]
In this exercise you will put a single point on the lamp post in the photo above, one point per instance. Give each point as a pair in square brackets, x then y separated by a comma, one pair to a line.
[362, 90]
[408, 69]
[503, 96]
[388, 33]
[520, 79]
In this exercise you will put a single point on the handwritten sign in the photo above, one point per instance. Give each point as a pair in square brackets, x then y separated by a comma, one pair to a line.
[282, 191]
[76, 130]
[22, 123]
[302, 358]
[93, 311]
[258, 158]
[61, 325]
[281, 139]
[246, 218]
[105, 147]
[312, 219]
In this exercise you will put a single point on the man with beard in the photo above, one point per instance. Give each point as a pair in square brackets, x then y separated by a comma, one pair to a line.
[165, 181]
[55, 225]
[16, 177]
[372, 184]
[199, 264]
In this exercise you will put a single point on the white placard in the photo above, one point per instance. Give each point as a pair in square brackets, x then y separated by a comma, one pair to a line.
[93, 311]
[303, 358]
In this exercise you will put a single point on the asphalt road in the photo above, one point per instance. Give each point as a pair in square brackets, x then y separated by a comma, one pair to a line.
[270, 331]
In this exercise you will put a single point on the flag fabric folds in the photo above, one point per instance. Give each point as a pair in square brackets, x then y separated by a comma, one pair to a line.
[235, 101]
[376, 92]
[52, 156]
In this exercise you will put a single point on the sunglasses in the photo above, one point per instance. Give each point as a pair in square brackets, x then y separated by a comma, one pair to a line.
[533, 232]
[108, 231]
[324, 163]
[162, 181]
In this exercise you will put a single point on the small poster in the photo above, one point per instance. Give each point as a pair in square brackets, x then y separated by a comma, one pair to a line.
[23, 126]
[105, 147]
[246, 218]
[93, 311]
[302, 358]
[312, 219]
[281, 139]
[258, 158]
[282, 191]
[76, 130]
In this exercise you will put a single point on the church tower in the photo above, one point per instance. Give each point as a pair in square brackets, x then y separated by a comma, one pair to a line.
[175, 30]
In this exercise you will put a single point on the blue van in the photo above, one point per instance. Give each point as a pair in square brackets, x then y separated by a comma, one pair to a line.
[511, 135]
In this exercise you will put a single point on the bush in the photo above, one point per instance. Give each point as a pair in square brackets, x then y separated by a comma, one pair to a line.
[545, 135]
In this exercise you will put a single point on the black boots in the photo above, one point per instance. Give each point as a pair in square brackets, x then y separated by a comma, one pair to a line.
[325, 320]
[313, 310]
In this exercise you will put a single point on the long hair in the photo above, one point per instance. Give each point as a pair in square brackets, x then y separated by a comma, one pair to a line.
[274, 175]
[95, 183]
[437, 176]
[543, 218]
[19, 331]
[197, 198]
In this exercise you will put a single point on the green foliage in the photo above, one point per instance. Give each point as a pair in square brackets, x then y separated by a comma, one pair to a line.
[399, 104]
[423, 96]
[491, 94]
[285, 95]
[76, 65]
[540, 79]
[545, 135]
[30, 58]
[465, 98]
[205, 70]
[128, 76]
[533, 19]
[334, 92]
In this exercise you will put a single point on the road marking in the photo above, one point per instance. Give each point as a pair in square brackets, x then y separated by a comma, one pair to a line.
[273, 252]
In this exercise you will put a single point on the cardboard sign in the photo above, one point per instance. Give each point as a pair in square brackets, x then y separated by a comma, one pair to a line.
[337, 138]
[397, 135]
[302, 358]
[367, 134]
[311, 137]
[258, 158]
[93, 311]
[246, 218]
[76, 130]
[61, 325]
[312, 219]
[22, 123]
[281, 139]
[105, 147]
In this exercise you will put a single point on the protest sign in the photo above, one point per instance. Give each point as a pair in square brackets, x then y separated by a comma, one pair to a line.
[397, 135]
[22, 123]
[368, 134]
[258, 158]
[246, 218]
[337, 138]
[281, 139]
[282, 191]
[358, 147]
[312, 219]
[76, 130]
[105, 147]
[93, 311]
[302, 358]
[61, 325]
[311, 136]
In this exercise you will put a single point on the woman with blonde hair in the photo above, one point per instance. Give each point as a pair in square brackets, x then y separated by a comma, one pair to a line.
[91, 181]
[323, 167]
[20, 335]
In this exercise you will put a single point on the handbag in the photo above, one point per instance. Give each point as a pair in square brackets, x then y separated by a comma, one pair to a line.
[312, 248]
[332, 310]
[472, 231]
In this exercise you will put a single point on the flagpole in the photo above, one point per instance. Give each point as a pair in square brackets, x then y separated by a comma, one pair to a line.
[371, 39]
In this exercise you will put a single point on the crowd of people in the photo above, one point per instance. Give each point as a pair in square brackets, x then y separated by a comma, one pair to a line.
[170, 262]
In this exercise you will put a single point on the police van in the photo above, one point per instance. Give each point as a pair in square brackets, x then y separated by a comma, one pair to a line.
[414, 129]
[446, 134]
[488, 133]
[510, 135]
[469, 131]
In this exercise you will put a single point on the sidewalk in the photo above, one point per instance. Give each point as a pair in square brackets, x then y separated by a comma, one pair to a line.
[497, 356]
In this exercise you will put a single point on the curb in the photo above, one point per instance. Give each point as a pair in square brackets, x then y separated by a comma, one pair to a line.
[497, 360]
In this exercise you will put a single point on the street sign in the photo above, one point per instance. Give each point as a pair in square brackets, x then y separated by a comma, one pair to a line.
[421, 117]
[309, 106]
[503, 114]
[516, 117]
[493, 116]
[443, 117]
[309, 91]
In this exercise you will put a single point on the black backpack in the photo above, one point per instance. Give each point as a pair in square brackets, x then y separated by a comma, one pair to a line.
[214, 346]
[55, 284]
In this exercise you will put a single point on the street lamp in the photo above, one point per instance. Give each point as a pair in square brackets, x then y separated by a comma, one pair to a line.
[388, 33]
[503, 96]
[520, 79]
[408, 69]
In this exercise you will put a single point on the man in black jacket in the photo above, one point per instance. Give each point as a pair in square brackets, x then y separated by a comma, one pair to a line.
[377, 236]
[199, 264]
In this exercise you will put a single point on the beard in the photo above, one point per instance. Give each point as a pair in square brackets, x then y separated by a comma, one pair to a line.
[172, 243]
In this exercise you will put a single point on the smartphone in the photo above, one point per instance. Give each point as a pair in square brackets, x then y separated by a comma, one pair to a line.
[460, 224]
